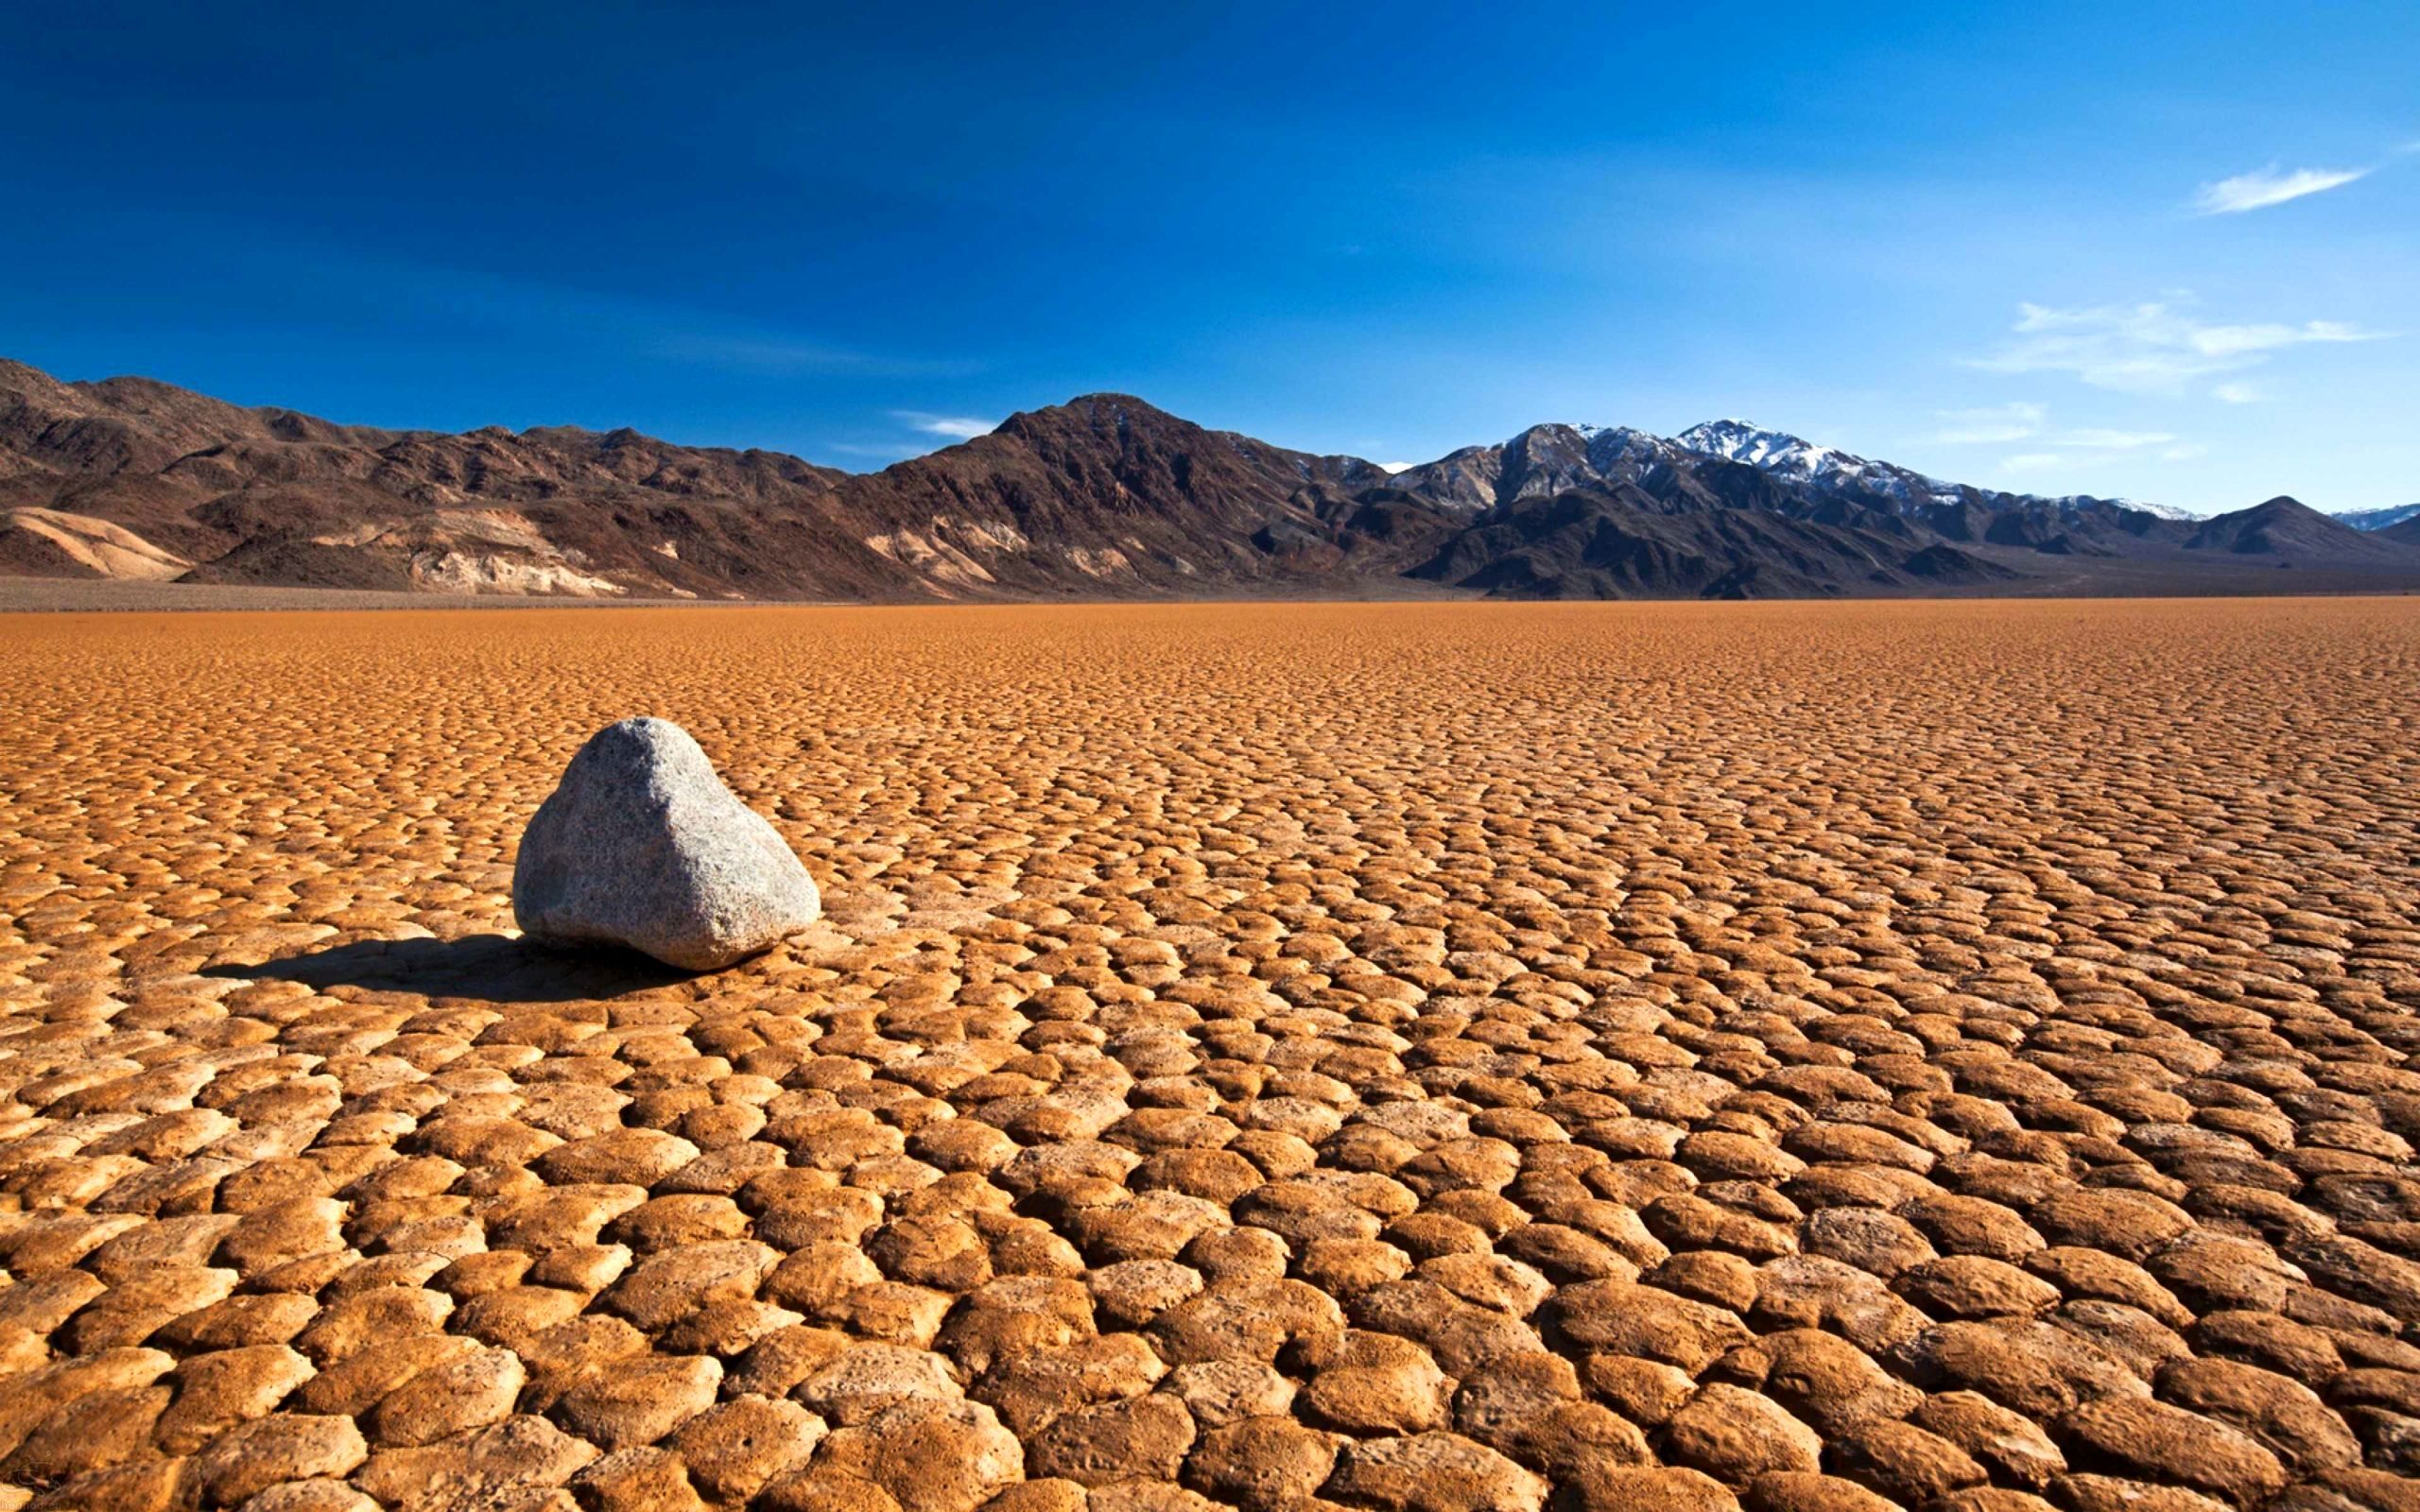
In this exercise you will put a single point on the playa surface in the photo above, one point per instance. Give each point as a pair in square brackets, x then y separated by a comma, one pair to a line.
[1430, 1057]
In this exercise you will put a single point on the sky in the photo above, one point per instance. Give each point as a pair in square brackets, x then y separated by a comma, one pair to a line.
[2169, 251]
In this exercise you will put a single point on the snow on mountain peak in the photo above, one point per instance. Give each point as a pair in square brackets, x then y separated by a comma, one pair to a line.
[2164, 511]
[1542, 459]
[1736, 441]
[2379, 518]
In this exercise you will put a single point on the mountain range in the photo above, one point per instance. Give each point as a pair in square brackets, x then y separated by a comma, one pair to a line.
[1101, 497]
[2378, 519]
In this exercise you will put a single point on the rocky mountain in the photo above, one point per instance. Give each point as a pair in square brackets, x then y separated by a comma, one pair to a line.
[1839, 475]
[1103, 497]
[1541, 461]
[274, 496]
[1628, 544]
[1107, 494]
[2406, 530]
[1776, 471]
[2288, 528]
[2378, 519]
[1835, 472]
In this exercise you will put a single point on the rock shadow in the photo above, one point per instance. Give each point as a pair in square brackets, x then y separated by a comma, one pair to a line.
[488, 967]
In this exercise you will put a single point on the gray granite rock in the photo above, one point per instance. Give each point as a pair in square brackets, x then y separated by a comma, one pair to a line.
[641, 845]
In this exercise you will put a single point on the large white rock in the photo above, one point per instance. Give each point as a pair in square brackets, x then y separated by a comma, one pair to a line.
[641, 845]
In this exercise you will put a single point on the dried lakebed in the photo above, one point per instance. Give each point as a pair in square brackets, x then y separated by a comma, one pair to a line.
[1425, 1056]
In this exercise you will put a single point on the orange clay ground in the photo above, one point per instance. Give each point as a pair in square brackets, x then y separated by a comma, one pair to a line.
[1444, 1058]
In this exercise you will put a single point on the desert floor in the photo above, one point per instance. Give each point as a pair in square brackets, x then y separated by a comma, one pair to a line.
[1439, 1056]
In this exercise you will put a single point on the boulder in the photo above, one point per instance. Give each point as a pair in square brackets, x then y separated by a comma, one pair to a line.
[642, 846]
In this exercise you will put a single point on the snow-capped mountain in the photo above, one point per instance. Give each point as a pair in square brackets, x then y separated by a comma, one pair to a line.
[1775, 451]
[2165, 511]
[1557, 458]
[1833, 470]
[2380, 519]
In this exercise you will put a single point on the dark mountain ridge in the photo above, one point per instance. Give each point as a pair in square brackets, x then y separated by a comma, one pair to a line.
[1103, 497]
[2287, 528]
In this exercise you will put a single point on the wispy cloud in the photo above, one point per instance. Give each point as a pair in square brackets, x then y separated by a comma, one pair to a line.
[2104, 440]
[754, 353]
[570, 320]
[1999, 425]
[2020, 421]
[2185, 453]
[2153, 348]
[2269, 186]
[957, 427]
[2237, 394]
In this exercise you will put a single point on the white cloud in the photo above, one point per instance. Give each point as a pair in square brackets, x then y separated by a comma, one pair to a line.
[1392, 468]
[2030, 461]
[2102, 440]
[2153, 348]
[957, 427]
[1974, 427]
[2237, 394]
[2185, 452]
[2269, 186]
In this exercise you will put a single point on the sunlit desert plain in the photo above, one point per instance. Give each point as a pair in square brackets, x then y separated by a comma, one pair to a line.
[1432, 1056]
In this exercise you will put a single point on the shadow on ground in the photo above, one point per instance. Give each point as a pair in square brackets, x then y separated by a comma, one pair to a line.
[490, 968]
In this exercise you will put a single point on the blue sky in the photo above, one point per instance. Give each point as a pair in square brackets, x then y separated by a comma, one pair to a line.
[2102, 248]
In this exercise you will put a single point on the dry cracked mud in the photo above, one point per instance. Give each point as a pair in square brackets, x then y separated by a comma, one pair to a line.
[1807, 1058]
